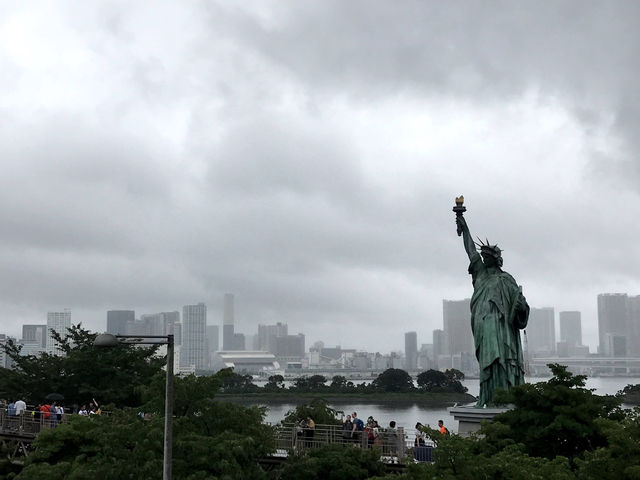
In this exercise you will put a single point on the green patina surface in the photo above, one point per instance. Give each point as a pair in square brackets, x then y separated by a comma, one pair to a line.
[498, 312]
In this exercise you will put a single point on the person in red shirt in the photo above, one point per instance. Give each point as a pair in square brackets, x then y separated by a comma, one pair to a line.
[45, 410]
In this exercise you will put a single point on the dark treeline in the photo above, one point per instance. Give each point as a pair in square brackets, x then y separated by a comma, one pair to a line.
[391, 380]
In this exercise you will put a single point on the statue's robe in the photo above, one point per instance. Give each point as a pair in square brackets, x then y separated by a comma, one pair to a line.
[496, 320]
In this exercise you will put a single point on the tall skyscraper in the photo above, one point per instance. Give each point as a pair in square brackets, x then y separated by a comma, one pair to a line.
[634, 323]
[163, 323]
[213, 342]
[58, 322]
[457, 326]
[118, 321]
[239, 341]
[153, 323]
[252, 342]
[267, 335]
[194, 336]
[541, 331]
[5, 360]
[213, 338]
[172, 326]
[570, 328]
[289, 348]
[613, 321]
[411, 350]
[440, 344]
[177, 333]
[35, 335]
[228, 342]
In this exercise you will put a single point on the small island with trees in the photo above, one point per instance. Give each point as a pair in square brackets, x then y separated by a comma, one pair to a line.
[431, 388]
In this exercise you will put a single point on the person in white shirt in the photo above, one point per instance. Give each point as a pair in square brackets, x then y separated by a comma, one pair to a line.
[20, 407]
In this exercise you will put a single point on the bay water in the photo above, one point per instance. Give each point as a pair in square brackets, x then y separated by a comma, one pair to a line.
[407, 415]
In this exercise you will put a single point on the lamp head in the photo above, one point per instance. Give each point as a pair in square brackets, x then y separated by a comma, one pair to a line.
[105, 340]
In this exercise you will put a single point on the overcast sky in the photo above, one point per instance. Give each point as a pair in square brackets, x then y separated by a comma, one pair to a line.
[305, 156]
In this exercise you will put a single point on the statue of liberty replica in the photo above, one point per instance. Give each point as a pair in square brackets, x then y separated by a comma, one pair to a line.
[498, 312]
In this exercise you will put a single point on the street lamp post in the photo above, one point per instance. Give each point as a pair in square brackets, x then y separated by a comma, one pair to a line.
[109, 340]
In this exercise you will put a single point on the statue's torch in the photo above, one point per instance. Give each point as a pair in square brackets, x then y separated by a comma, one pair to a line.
[459, 209]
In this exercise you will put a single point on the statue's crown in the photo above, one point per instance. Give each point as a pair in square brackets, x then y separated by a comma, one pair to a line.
[486, 247]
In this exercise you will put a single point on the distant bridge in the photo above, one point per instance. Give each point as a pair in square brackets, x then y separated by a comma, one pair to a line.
[591, 365]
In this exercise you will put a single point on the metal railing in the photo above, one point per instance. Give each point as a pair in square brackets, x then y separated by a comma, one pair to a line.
[394, 445]
[29, 422]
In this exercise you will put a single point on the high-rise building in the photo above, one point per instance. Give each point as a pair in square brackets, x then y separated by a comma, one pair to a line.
[267, 335]
[616, 345]
[163, 323]
[440, 344]
[411, 350]
[252, 342]
[570, 328]
[634, 325]
[5, 360]
[290, 348]
[227, 323]
[239, 341]
[457, 326]
[541, 331]
[153, 323]
[35, 335]
[59, 322]
[194, 337]
[213, 338]
[613, 321]
[213, 342]
[177, 333]
[118, 321]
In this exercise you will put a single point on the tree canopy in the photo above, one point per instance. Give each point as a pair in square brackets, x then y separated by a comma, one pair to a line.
[211, 440]
[554, 418]
[393, 380]
[436, 381]
[110, 375]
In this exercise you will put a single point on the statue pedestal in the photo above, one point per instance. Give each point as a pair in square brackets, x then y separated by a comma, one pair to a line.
[469, 417]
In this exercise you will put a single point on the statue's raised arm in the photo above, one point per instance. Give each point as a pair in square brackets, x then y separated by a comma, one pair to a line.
[463, 228]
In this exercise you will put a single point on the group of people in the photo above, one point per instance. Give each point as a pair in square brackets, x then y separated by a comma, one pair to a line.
[306, 429]
[14, 408]
[420, 440]
[50, 412]
[371, 434]
[355, 430]
[94, 409]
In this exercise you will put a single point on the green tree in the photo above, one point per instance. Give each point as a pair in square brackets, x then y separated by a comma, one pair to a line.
[338, 383]
[432, 380]
[275, 383]
[436, 381]
[454, 374]
[110, 375]
[333, 462]
[554, 418]
[211, 440]
[620, 459]
[318, 410]
[238, 383]
[393, 380]
[313, 383]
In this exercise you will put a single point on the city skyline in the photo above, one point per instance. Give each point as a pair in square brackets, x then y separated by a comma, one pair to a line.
[542, 337]
[306, 156]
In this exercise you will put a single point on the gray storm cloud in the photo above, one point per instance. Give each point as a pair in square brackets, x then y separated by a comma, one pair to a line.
[305, 156]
